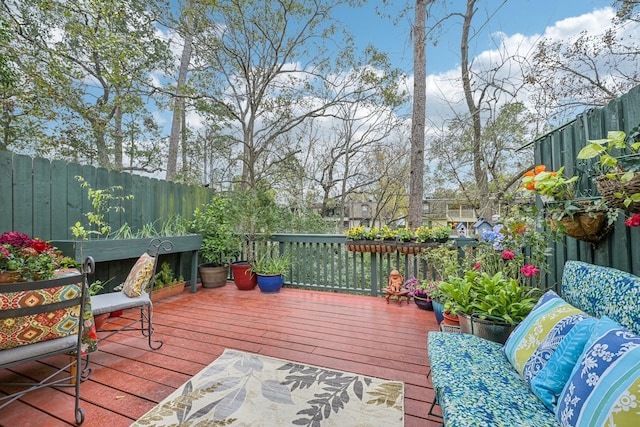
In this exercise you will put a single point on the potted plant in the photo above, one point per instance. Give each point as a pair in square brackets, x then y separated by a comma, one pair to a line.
[270, 269]
[220, 243]
[254, 215]
[421, 292]
[619, 175]
[443, 263]
[459, 298]
[362, 239]
[23, 259]
[166, 284]
[500, 303]
[586, 219]
[407, 241]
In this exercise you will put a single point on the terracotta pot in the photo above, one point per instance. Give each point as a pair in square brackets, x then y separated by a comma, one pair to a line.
[450, 319]
[168, 291]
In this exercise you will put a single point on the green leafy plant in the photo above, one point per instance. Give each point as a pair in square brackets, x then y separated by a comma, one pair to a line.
[489, 296]
[404, 234]
[102, 202]
[605, 148]
[504, 298]
[165, 277]
[97, 285]
[254, 214]
[271, 263]
[219, 241]
[618, 165]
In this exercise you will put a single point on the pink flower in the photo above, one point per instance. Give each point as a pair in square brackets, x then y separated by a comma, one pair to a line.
[634, 221]
[507, 255]
[529, 270]
[476, 266]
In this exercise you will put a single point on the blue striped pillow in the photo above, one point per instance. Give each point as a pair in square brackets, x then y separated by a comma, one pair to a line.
[604, 386]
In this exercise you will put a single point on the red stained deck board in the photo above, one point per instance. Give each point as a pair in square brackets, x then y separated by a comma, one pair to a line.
[361, 334]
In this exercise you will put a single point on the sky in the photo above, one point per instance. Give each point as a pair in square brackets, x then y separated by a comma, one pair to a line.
[517, 24]
[530, 18]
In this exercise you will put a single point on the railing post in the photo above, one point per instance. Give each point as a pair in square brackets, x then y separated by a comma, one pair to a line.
[374, 273]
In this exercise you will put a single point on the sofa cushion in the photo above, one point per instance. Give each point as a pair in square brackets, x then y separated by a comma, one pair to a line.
[476, 385]
[603, 291]
[548, 384]
[604, 386]
[534, 340]
[139, 276]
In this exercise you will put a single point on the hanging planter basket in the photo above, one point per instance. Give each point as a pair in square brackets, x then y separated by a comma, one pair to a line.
[611, 188]
[589, 227]
[409, 248]
[387, 246]
[361, 246]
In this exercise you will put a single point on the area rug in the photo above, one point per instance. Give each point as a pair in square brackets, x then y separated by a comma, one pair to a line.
[245, 389]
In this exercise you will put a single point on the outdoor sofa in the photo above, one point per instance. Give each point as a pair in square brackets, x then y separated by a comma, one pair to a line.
[574, 361]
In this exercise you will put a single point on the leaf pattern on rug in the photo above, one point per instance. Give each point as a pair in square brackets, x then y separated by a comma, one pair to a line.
[251, 389]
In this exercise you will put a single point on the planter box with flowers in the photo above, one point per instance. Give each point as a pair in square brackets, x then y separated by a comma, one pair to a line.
[362, 239]
[23, 259]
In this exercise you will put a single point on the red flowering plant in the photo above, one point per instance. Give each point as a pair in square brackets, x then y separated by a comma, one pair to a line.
[31, 259]
[502, 274]
[633, 221]
[518, 248]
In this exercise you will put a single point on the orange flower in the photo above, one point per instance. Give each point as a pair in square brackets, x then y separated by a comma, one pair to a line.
[540, 168]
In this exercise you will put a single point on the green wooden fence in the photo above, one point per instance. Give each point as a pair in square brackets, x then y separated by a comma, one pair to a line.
[560, 147]
[43, 199]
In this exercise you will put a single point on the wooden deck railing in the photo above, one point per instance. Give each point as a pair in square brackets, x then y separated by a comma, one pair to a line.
[321, 261]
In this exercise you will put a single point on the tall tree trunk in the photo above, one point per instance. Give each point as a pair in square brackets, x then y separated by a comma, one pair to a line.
[416, 180]
[479, 163]
[178, 105]
[184, 142]
[118, 138]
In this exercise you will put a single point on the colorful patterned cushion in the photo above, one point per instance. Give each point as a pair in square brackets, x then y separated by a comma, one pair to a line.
[23, 330]
[604, 387]
[534, 340]
[139, 276]
[603, 291]
[476, 385]
[548, 384]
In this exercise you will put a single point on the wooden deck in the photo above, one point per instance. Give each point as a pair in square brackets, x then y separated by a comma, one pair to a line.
[358, 334]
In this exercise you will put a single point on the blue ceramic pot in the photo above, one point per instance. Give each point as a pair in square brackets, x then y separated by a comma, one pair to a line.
[270, 284]
[438, 308]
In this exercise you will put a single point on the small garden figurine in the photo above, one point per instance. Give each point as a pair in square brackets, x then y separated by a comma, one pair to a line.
[395, 288]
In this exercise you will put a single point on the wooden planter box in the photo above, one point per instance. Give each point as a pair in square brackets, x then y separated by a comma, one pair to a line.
[168, 291]
[115, 249]
[118, 249]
